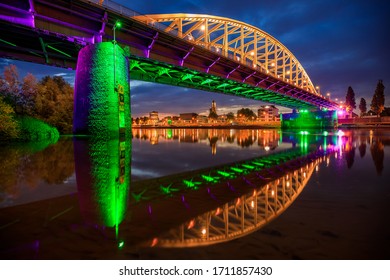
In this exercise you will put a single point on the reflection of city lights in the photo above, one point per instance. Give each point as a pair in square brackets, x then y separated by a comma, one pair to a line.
[317, 168]
[327, 162]
[191, 224]
[154, 242]
[340, 133]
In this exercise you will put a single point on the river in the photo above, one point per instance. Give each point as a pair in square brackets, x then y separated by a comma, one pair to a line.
[199, 194]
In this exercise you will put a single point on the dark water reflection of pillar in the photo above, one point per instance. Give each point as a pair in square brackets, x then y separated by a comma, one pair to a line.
[378, 154]
[103, 180]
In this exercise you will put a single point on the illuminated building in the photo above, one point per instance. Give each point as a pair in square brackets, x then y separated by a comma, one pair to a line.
[213, 108]
[202, 119]
[268, 113]
[188, 117]
[153, 117]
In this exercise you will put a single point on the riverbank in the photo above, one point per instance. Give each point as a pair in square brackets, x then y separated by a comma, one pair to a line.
[365, 122]
[225, 126]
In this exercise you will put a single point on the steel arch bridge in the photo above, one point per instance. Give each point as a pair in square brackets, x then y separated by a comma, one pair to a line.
[209, 53]
[237, 40]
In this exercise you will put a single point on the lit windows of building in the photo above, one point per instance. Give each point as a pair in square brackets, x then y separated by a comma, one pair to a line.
[188, 117]
[268, 113]
[153, 118]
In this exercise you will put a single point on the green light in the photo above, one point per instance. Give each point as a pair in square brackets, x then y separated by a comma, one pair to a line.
[118, 24]
[57, 50]
[191, 185]
[121, 244]
[248, 166]
[9, 43]
[223, 173]
[326, 133]
[238, 170]
[210, 179]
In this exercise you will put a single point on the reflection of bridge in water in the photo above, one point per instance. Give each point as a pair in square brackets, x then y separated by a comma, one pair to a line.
[253, 201]
[241, 216]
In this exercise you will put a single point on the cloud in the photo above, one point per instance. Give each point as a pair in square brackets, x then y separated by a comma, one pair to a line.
[5, 61]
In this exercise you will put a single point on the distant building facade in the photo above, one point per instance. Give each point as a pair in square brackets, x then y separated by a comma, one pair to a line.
[268, 113]
[153, 118]
[188, 117]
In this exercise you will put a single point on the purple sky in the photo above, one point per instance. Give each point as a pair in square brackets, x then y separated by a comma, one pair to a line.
[339, 43]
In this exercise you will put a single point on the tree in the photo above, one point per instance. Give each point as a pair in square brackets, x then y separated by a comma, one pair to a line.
[378, 100]
[230, 116]
[350, 102]
[28, 94]
[54, 103]
[8, 126]
[247, 113]
[362, 106]
[10, 85]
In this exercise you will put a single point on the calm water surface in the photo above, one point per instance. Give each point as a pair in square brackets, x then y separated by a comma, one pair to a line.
[203, 192]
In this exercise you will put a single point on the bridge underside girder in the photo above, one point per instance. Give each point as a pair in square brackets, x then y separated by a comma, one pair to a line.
[158, 72]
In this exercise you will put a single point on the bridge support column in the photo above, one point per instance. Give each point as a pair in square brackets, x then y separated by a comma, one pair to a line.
[102, 92]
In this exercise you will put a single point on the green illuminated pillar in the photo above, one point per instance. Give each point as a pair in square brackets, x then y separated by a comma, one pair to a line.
[103, 179]
[102, 92]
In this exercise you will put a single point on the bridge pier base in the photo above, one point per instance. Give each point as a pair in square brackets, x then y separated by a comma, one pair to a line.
[310, 119]
[102, 92]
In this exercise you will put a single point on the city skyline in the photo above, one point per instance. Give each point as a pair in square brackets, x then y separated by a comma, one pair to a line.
[339, 44]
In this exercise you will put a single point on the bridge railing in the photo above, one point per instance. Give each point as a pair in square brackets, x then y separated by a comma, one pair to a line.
[124, 11]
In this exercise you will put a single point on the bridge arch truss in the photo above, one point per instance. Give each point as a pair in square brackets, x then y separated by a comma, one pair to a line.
[236, 40]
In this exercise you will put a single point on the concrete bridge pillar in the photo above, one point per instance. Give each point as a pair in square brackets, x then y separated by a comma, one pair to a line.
[102, 92]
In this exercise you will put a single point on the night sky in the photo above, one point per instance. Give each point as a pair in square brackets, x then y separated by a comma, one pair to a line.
[339, 43]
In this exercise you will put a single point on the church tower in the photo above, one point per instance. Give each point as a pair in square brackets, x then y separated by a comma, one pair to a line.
[213, 107]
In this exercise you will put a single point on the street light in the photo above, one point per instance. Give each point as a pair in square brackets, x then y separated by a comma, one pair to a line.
[117, 24]
[318, 89]
[328, 95]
